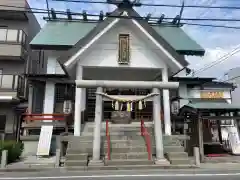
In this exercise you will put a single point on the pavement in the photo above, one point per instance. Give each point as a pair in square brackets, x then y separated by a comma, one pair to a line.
[212, 171]
[126, 175]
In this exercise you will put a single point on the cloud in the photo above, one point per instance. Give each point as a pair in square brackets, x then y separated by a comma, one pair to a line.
[216, 41]
[223, 61]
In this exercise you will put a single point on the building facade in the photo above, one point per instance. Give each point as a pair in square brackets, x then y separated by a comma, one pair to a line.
[17, 30]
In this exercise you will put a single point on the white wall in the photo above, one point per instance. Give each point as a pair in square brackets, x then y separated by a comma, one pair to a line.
[234, 77]
[53, 66]
[183, 93]
[104, 53]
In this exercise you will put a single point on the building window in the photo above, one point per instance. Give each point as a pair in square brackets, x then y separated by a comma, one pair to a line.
[3, 34]
[2, 123]
[12, 35]
[124, 49]
[1, 77]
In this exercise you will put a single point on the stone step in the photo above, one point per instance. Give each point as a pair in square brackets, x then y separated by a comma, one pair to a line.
[177, 161]
[128, 167]
[69, 163]
[140, 139]
[123, 137]
[130, 146]
[133, 155]
[80, 147]
[128, 162]
[170, 143]
[168, 149]
[119, 127]
[77, 156]
[81, 138]
[126, 149]
[79, 151]
[133, 132]
[126, 144]
[177, 155]
[175, 137]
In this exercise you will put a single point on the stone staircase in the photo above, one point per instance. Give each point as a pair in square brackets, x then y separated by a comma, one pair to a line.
[78, 151]
[128, 148]
[174, 151]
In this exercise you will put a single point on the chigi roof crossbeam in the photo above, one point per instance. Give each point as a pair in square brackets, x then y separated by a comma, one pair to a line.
[121, 4]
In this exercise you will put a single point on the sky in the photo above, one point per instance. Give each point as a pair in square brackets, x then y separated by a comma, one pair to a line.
[216, 41]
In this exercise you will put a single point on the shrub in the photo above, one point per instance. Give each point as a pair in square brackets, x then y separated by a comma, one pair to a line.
[14, 149]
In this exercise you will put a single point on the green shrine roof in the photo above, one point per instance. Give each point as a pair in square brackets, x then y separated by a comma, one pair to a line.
[179, 40]
[59, 33]
[65, 34]
[213, 105]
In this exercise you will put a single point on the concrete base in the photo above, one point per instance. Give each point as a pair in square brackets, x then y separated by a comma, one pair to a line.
[96, 163]
[162, 162]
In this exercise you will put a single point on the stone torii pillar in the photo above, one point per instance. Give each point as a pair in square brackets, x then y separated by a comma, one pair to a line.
[97, 128]
[158, 128]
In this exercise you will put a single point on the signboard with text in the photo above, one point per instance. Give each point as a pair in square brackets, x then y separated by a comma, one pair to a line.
[212, 95]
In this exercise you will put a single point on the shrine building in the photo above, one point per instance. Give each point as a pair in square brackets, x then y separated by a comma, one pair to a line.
[119, 75]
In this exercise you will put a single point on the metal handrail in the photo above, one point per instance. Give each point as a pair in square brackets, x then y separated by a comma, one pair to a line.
[145, 133]
[108, 140]
[42, 117]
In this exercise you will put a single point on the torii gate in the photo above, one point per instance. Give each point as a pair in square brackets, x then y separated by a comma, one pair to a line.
[100, 84]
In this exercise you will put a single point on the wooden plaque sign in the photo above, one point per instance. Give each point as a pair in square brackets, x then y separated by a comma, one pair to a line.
[123, 49]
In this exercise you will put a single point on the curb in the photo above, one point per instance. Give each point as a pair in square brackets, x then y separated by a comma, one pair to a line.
[87, 168]
[117, 168]
[28, 169]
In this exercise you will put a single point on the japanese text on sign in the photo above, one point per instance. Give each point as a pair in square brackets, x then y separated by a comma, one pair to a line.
[212, 95]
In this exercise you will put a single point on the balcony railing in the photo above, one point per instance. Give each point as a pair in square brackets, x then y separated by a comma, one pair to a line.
[13, 42]
[13, 36]
[12, 4]
[15, 83]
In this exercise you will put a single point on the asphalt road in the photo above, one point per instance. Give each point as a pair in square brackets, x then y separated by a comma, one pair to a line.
[124, 175]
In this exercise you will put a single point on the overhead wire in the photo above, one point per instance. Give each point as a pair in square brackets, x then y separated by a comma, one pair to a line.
[219, 60]
[45, 11]
[155, 5]
[233, 78]
[212, 64]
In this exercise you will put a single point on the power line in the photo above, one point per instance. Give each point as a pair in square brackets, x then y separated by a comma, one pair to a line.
[45, 11]
[212, 25]
[139, 17]
[220, 61]
[231, 78]
[189, 6]
[160, 5]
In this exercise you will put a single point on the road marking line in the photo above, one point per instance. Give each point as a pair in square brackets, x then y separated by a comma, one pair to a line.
[118, 176]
